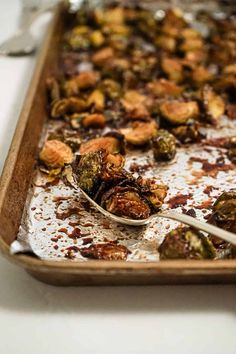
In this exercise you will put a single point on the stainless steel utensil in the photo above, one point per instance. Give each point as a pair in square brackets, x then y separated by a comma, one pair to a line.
[22, 42]
[169, 214]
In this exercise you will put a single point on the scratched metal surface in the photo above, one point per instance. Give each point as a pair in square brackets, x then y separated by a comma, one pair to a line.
[48, 231]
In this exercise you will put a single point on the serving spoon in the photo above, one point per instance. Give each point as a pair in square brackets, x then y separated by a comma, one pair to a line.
[168, 214]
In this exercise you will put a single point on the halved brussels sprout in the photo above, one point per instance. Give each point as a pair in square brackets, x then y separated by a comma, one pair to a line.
[97, 39]
[53, 88]
[111, 88]
[173, 68]
[153, 192]
[97, 100]
[88, 171]
[105, 251]
[140, 133]
[112, 144]
[224, 211]
[134, 104]
[186, 243]
[103, 55]
[126, 202]
[213, 104]
[177, 112]
[190, 44]
[164, 146]
[163, 87]
[87, 79]
[187, 133]
[94, 121]
[67, 106]
[201, 74]
[56, 154]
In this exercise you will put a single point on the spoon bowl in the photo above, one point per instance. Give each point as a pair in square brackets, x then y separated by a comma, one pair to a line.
[169, 214]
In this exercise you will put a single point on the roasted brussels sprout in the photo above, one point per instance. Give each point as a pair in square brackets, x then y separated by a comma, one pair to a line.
[140, 133]
[56, 154]
[173, 68]
[186, 243]
[224, 211]
[163, 87]
[96, 100]
[187, 133]
[103, 55]
[153, 192]
[111, 88]
[87, 79]
[164, 146]
[213, 104]
[224, 216]
[94, 121]
[67, 106]
[232, 149]
[112, 144]
[105, 251]
[177, 112]
[126, 202]
[201, 75]
[98, 166]
[88, 171]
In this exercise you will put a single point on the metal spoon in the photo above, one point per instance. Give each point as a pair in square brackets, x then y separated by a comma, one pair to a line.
[169, 214]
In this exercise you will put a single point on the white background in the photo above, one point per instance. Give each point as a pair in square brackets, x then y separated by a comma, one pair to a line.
[37, 318]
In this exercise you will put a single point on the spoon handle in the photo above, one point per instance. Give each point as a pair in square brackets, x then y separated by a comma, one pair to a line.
[203, 226]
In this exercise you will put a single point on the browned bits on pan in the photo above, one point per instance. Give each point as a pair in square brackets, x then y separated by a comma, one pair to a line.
[94, 121]
[55, 153]
[108, 143]
[213, 104]
[105, 251]
[177, 112]
[140, 133]
[67, 106]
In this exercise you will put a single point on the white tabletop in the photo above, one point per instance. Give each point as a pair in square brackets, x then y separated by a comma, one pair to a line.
[37, 318]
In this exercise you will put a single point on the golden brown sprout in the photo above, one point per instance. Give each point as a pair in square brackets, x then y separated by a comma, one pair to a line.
[97, 38]
[166, 43]
[67, 106]
[140, 133]
[54, 89]
[163, 87]
[94, 121]
[196, 56]
[70, 87]
[56, 154]
[213, 103]
[97, 100]
[114, 15]
[179, 112]
[112, 166]
[87, 79]
[155, 193]
[191, 44]
[201, 74]
[134, 104]
[103, 55]
[230, 69]
[189, 33]
[111, 88]
[173, 69]
[108, 143]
